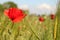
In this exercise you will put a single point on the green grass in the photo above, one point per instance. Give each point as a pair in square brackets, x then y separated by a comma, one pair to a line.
[30, 28]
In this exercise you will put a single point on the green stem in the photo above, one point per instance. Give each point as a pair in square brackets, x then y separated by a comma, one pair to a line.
[33, 30]
[12, 25]
[16, 35]
[30, 36]
[9, 31]
[11, 28]
[55, 29]
[5, 37]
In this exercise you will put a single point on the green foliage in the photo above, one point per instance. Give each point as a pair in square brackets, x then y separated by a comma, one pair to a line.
[26, 11]
[30, 28]
[9, 5]
[58, 26]
[1, 8]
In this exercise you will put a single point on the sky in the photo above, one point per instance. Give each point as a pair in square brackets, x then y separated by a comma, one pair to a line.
[35, 6]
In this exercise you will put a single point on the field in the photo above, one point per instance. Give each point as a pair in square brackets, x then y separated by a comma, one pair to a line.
[30, 28]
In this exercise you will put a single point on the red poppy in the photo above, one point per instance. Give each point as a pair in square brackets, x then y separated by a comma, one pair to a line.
[15, 14]
[52, 16]
[41, 19]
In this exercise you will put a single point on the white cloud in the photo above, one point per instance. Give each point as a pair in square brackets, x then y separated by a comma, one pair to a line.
[44, 6]
[45, 9]
[40, 9]
[24, 7]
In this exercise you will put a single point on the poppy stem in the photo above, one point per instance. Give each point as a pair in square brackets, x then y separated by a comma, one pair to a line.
[12, 25]
[11, 28]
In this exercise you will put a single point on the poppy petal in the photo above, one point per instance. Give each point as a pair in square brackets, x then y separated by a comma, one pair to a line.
[6, 12]
[19, 18]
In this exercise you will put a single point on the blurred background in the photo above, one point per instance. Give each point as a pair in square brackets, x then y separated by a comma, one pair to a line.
[41, 23]
[37, 7]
